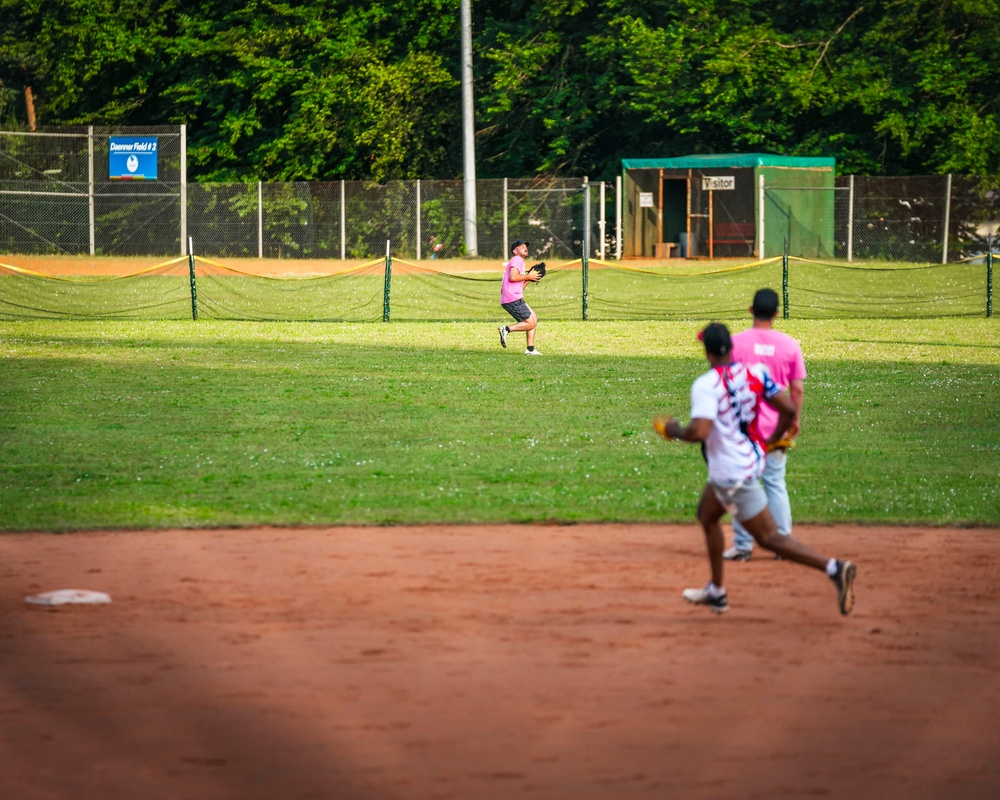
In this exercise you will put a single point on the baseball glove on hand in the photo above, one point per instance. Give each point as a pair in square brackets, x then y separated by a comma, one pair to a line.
[786, 442]
[539, 268]
[660, 426]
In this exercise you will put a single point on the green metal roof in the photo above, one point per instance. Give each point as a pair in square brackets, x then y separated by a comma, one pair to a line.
[728, 160]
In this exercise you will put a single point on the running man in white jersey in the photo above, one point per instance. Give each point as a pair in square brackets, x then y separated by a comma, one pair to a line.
[724, 404]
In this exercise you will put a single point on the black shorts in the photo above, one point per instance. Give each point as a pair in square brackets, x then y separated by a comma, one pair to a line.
[518, 309]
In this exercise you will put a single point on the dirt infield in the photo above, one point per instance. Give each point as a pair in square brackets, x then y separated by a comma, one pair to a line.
[496, 662]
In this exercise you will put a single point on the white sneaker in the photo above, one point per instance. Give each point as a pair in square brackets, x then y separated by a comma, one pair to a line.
[701, 597]
[735, 554]
[503, 335]
[532, 353]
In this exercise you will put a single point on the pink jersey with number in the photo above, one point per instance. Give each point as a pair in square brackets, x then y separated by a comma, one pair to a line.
[782, 356]
[512, 290]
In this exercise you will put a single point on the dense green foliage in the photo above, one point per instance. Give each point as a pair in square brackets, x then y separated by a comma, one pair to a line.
[110, 424]
[338, 89]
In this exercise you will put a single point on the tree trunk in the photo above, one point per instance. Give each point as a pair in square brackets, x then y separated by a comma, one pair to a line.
[29, 102]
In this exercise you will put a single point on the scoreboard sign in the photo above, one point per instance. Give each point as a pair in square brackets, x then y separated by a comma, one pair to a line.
[715, 183]
[132, 158]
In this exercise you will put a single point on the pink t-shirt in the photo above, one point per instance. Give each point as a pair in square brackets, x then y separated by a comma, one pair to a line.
[512, 290]
[782, 356]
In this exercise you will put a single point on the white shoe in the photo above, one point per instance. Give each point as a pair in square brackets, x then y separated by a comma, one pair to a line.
[701, 597]
[503, 335]
[532, 353]
[735, 554]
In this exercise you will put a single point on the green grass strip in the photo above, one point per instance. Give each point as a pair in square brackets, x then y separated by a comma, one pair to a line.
[155, 424]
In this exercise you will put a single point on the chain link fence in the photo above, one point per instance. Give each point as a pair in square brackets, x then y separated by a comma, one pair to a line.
[58, 195]
[915, 219]
[352, 219]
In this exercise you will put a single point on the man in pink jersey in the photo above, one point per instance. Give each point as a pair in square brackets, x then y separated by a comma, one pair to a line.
[724, 419]
[512, 297]
[781, 354]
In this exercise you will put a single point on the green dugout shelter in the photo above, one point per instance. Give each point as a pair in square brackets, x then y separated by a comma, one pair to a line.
[728, 206]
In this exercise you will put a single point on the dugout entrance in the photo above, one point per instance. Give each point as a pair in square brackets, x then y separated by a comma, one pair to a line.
[727, 206]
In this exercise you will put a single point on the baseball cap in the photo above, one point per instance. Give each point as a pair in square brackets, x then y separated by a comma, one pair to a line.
[519, 242]
[715, 337]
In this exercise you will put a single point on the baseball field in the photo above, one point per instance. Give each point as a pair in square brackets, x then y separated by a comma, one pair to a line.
[397, 561]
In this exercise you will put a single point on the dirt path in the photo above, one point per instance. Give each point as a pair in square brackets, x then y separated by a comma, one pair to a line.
[495, 662]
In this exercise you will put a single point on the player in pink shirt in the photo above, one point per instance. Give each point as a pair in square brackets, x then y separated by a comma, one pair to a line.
[512, 297]
[725, 403]
[781, 354]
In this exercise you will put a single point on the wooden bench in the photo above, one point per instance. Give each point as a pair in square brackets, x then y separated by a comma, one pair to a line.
[734, 233]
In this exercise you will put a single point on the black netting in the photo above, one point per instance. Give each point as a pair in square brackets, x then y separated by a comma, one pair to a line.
[415, 291]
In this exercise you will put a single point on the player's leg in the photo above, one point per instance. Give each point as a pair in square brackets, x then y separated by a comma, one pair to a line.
[524, 319]
[713, 596]
[528, 325]
[777, 502]
[742, 543]
[763, 528]
[710, 512]
[842, 573]
[777, 491]
[530, 332]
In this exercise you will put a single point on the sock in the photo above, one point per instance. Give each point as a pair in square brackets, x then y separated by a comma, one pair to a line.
[831, 567]
[531, 347]
[507, 328]
[715, 591]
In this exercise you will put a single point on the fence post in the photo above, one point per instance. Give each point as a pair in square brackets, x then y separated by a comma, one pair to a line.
[850, 218]
[90, 182]
[584, 263]
[419, 234]
[989, 277]
[388, 281]
[602, 222]
[947, 220]
[343, 221]
[184, 189]
[194, 290]
[760, 221]
[784, 278]
[618, 217]
[506, 234]
[260, 219]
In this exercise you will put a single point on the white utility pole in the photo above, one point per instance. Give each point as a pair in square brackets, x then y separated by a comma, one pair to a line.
[468, 133]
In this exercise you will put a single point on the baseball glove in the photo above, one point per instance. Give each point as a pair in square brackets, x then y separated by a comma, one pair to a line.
[660, 426]
[786, 442]
[539, 268]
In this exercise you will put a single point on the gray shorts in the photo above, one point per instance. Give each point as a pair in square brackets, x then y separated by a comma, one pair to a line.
[743, 501]
[518, 309]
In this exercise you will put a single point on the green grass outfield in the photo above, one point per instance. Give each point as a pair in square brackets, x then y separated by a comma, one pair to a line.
[156, 424]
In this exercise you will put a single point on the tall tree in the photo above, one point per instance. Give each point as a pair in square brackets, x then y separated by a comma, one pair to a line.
[342, 89]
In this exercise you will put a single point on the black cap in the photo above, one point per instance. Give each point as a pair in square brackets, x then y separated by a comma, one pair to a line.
[519, 242]
[765, 304]
[716, 339]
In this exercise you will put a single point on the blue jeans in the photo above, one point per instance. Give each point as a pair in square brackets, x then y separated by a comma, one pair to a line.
[777, 500]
